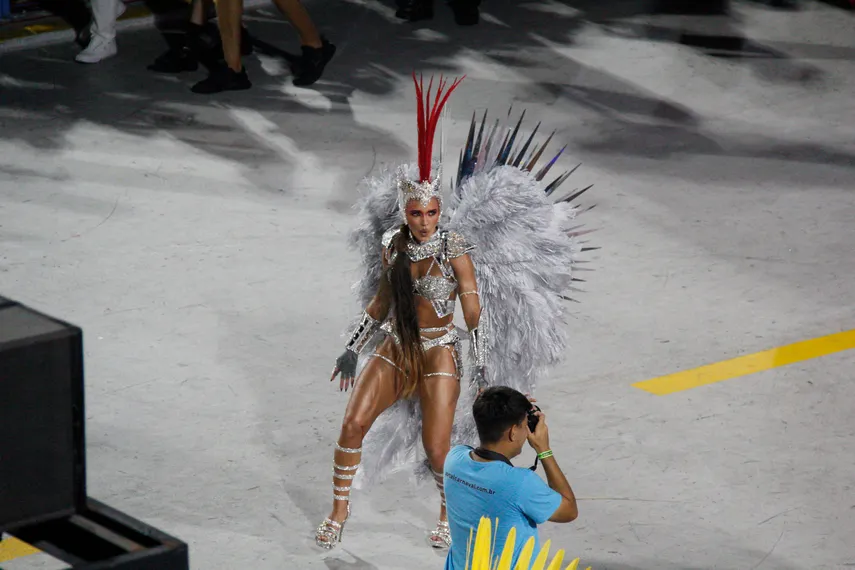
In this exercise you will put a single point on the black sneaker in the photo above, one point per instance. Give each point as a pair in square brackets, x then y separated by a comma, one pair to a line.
[414, 10]
[223, 78]
[313, 62]
[465, 12]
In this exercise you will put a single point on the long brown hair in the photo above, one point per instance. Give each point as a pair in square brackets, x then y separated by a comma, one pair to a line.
[399, 291]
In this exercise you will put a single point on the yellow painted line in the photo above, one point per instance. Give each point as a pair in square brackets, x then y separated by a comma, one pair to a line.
[12, 548]
[42, 28]
[14, 32]
[749, 364]
[53, 24]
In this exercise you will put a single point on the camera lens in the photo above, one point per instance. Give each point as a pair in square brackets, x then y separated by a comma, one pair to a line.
[532, 418]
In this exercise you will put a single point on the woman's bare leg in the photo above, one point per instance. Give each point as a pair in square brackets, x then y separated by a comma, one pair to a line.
[300, 19]
[377, 387]
[316, 50]
[232, 76]
[229, 17]
[199, 11]
[438, 394]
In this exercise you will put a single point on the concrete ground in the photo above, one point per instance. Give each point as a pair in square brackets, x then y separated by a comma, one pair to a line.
[201, 244]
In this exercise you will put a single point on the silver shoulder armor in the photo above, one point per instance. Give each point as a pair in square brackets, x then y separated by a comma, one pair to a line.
[457, 245]
[390, 235]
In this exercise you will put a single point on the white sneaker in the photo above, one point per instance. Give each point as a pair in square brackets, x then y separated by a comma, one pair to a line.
[99, 47]
[97, 50]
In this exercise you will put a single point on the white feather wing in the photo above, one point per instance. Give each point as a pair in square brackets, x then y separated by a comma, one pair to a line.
[524, 260]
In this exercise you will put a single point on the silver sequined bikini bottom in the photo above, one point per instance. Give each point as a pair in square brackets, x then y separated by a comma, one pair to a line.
[450, 340]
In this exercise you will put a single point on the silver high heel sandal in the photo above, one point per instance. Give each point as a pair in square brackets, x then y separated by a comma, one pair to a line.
[329, 532]
[440, 537]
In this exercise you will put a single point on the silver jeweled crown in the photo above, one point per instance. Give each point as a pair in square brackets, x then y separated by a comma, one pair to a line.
[422, 192]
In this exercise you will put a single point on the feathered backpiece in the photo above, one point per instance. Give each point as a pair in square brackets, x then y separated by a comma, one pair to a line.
[480, 155]
[424, 188]
[528, 249]
[527, 253]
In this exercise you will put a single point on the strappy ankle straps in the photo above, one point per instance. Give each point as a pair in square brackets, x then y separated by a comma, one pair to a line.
[348, 449]
[438, 479]
[329, 532]
[349, 472]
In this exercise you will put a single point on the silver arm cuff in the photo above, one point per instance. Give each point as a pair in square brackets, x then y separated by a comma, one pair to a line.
[478, 344]
[362, 333]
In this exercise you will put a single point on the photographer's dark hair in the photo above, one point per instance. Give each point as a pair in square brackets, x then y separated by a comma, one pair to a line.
[497, 409]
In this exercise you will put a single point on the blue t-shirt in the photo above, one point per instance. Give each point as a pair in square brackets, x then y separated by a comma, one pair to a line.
[516, 496]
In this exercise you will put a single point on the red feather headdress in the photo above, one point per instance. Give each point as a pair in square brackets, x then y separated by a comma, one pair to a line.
[424, 189]
[428, 117]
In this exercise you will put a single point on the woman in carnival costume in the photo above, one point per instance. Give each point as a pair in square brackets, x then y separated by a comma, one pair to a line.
[507, 252]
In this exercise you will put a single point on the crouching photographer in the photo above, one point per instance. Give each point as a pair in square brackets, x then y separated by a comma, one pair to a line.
[483, 482]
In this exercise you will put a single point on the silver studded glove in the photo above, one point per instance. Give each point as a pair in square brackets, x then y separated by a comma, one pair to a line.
[346, 363]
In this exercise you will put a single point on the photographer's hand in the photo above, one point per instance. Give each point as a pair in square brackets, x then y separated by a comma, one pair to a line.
[539, 438]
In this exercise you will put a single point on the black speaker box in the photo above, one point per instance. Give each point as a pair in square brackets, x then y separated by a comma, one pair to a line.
[43, 455]
[42, 447]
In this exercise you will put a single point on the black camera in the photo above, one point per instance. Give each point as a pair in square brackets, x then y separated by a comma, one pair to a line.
[532, 418]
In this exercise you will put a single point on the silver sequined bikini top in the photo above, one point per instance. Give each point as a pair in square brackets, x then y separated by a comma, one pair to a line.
[435, 287]
[443, 246]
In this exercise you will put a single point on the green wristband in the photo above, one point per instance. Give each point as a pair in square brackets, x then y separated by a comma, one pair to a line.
[545, 454]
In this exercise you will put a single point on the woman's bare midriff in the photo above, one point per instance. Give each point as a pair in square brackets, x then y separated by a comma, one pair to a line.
[428, 319]
[425, 313]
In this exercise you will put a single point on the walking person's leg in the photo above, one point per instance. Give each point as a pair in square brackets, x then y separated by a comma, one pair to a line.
[183, 54]
[317, 51]
[232, 75]
[102, 43]
[199, 44]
